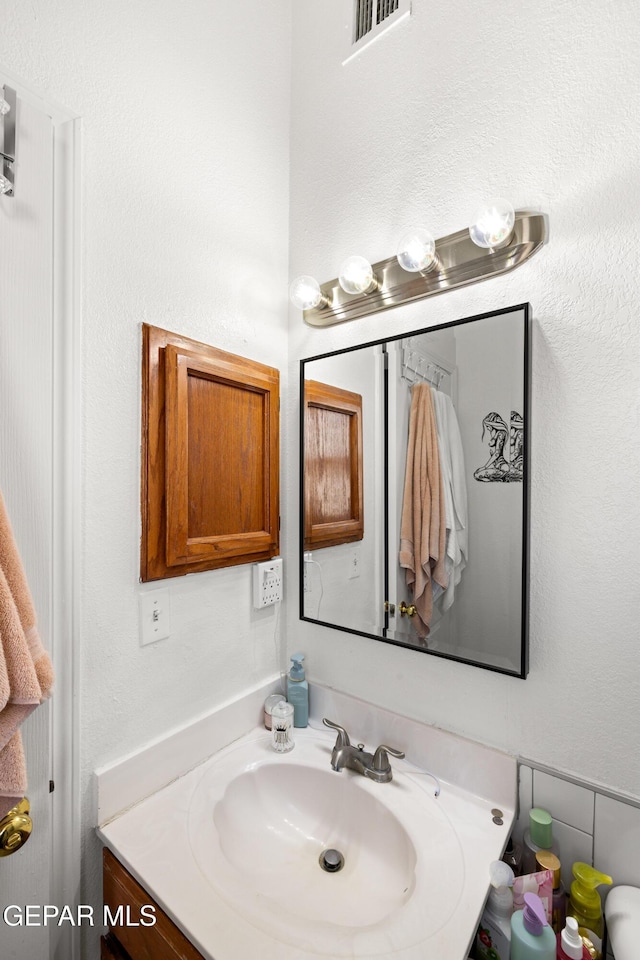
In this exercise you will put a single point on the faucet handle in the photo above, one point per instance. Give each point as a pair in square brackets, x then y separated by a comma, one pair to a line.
[381, 758]
[342, 739]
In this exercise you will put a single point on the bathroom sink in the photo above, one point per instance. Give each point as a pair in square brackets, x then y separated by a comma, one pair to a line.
[325, 859]
[276, 825]
[234, 848]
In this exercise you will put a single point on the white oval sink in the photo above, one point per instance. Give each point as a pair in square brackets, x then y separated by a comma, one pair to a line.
[259, 821]
[274, 822]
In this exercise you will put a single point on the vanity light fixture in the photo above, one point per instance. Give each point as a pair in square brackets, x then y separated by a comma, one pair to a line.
[493, 225]
[499, 240]
[305, 294]
[417, 251]
[357, 276]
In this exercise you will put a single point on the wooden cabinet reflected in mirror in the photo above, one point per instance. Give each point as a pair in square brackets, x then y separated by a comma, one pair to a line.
[455, 586]
[333, 487]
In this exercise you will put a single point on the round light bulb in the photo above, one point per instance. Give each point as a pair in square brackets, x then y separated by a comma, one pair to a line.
[493, 224]
[305, 293]
[356, 276]
[417, 251]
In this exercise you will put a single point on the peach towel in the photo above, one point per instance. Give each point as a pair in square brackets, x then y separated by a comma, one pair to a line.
[423, 527]
[26, 674]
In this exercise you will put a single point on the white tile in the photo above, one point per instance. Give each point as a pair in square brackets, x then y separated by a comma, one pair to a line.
[573, 845]
[564, 800]
[617, 840]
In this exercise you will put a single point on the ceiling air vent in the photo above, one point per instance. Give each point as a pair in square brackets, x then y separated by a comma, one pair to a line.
[371, 18]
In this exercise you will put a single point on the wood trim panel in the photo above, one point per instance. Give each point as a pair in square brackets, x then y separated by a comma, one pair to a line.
[163, 941]
[225, 471]
[333, 471]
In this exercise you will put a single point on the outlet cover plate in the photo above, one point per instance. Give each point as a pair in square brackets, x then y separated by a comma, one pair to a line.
[267, 583]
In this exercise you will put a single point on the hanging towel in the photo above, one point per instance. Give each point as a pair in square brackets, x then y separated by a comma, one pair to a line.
[423, 524]
[26, 674]
[452, 466]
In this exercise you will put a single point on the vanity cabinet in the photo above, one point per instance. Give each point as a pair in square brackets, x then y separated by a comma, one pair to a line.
[210, 457]
[162, 941]
[110, 949]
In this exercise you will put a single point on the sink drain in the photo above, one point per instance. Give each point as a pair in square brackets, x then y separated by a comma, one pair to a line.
[331, 861]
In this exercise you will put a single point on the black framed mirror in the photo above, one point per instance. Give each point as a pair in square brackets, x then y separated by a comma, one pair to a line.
[414, 489]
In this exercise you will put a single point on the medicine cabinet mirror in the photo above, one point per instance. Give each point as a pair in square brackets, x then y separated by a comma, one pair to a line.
[436, 435]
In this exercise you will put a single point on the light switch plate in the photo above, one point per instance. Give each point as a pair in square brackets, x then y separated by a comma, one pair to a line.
[155, 616]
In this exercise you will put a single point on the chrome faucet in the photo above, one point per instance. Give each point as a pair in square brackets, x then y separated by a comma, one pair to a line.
[375, 766]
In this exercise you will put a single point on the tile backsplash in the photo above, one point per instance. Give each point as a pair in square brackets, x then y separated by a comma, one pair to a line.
[589, 824]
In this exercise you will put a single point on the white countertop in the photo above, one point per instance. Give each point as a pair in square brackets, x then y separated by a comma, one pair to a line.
[152, 840]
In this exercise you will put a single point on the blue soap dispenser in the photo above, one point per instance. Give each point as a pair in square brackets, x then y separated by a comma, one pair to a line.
[298, 691]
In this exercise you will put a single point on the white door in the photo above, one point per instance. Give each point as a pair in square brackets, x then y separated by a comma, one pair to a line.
[398, 413]
[27, 465]
[400, 628]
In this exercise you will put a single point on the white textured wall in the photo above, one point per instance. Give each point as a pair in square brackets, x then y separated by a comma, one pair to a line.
[185, 112]
[536, 102]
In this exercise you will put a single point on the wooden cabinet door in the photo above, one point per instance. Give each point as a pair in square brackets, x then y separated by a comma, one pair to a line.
[210, 458]
[158, 938]
[110, 949]
[220, 481]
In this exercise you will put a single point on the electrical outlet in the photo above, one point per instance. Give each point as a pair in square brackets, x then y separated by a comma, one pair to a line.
[155, 616]
[267, 583]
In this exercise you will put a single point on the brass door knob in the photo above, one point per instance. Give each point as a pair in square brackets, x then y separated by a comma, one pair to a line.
[407, 611]
[15, 828]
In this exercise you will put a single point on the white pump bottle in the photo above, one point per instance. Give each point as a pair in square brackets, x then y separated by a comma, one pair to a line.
[493, 941]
